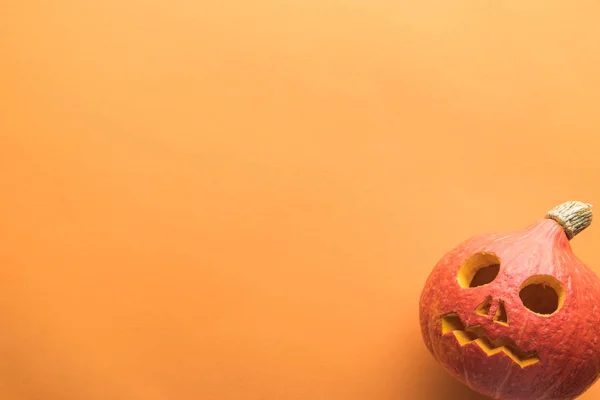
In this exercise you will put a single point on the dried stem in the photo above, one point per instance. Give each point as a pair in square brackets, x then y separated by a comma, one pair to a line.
[573, 216]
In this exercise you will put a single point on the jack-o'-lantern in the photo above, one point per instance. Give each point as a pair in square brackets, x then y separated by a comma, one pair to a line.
[516, 315]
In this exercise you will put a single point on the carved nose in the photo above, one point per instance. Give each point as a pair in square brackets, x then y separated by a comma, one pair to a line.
[495, 309]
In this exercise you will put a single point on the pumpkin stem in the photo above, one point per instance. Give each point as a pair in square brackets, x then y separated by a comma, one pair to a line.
[572, 216]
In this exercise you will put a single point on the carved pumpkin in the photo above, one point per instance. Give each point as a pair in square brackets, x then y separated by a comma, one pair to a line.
[516, 315]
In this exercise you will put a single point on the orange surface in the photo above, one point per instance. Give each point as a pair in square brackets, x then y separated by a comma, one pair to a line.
[242, 200]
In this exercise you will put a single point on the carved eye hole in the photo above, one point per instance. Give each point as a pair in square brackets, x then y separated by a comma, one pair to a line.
[542, 294]
[478, 270]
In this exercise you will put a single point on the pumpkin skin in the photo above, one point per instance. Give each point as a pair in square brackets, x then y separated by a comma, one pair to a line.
[555, 356]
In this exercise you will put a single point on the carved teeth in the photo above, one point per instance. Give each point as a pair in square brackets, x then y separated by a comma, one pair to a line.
[451, 323]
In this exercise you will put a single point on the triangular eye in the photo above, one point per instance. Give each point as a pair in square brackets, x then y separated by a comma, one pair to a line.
[478, 270]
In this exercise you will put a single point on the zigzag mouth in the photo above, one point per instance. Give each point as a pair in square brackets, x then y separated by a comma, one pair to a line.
[451, 323]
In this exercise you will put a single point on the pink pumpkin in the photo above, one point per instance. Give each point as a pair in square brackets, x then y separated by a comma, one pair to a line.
[516, 315]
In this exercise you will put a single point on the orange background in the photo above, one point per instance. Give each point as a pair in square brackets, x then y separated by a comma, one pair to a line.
[242, 200]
